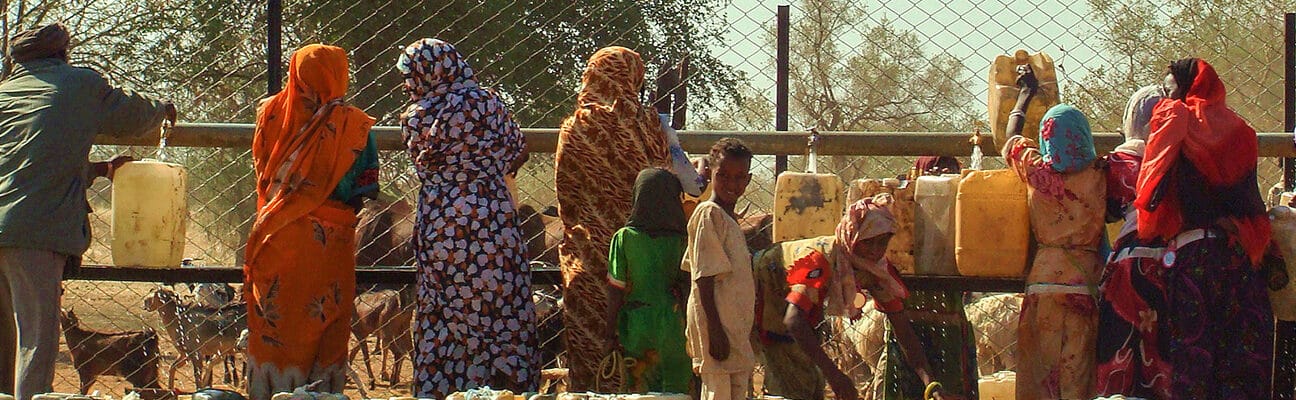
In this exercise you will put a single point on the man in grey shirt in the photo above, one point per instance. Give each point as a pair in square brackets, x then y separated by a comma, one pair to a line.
[50, 113]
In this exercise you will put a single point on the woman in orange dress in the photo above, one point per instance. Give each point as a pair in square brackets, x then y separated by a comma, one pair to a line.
[315, 163]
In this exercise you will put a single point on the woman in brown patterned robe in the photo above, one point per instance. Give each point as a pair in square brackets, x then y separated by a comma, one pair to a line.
[601, 149]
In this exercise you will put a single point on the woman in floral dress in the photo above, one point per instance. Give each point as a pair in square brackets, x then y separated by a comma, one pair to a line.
[476, 321]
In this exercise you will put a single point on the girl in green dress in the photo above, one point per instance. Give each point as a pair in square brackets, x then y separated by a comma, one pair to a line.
[646, 288]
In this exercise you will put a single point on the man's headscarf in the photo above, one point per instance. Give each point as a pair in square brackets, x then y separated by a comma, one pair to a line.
[44, 42]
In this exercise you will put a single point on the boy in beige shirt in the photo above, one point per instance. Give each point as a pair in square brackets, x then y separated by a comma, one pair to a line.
[721, 303]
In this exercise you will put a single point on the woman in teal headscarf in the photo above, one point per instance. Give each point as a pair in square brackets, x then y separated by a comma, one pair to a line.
[1057, 334]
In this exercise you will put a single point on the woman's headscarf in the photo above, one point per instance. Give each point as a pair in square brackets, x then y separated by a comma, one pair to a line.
[1123, 164]
[657, 210]
[936, 165]
[865, 219]
[1204, 131]
[433, 68]
[1138, 112]
[449, 111]
[608, 106]
[306, 139]
[1066, 143]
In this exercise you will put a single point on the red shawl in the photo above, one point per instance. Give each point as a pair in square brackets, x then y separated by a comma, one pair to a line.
[1216, 141]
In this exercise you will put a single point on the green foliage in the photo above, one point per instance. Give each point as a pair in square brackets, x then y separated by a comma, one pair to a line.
[1242, 39]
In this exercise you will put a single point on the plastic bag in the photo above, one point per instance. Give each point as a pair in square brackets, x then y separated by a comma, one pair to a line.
[680, 164]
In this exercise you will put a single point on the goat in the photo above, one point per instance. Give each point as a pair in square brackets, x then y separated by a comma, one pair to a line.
[214, 295]
[198, 332]
[131, 354]
[388, 314]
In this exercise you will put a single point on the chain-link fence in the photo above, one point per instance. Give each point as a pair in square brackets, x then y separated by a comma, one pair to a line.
[914, 66]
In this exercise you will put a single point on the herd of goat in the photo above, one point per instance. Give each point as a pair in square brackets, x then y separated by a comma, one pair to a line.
[208, 325]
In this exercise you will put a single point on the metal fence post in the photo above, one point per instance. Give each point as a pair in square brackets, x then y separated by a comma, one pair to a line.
[781, 81]
[1284, 367]
[274, 46]
[679, 112]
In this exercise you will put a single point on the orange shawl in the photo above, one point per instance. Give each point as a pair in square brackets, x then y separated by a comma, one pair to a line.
[304, 141]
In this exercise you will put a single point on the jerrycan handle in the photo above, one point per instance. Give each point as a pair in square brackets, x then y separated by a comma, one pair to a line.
[812, 162]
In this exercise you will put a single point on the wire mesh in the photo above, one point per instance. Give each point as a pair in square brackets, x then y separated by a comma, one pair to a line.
[855, 66]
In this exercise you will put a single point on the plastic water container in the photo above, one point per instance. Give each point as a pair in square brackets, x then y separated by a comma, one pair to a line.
[1003, 92]
[1001, 385]
[1283, 298]
[992, 224]
[934, 197]
[150, 213]
[1113, 231]
[807, 205]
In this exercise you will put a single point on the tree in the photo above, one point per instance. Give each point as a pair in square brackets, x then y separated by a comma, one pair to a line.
[883, 81]
[1241, 39]
[531, 51]
[851, 76]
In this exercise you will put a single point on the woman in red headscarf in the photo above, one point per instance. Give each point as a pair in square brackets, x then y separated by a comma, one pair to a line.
[1197, 192]
[315, 163]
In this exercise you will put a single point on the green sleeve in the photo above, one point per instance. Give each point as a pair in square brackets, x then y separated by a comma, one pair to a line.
[618, 268]
[126, 113]
[362, 179]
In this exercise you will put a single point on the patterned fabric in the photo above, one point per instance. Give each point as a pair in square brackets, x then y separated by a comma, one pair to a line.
[601, 149]
[1133, 342]
[299, 279]
[1133, 351]
[777, 283]
[361, 181]
[1057, 330]
[475, 321]
[1220, 323]
[947, 342]
[1203, 133]
[1066, 142]
[866, 219]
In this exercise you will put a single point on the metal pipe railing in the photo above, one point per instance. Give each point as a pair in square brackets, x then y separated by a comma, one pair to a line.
[545, 140]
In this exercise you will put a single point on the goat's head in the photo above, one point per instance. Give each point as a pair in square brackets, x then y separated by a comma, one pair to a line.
[159, 298]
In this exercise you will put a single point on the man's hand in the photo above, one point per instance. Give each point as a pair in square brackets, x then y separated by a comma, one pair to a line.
[116, 163]
[170, 112]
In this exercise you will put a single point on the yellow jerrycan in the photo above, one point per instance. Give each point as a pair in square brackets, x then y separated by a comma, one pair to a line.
[1001, 385]
[807, 204]
[1004, 90]
[992, 224]
[1282, 289]
[150, 214]
[934, 227]
[900, 252]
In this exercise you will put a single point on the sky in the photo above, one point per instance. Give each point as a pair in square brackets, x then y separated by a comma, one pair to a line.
[972, 31]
